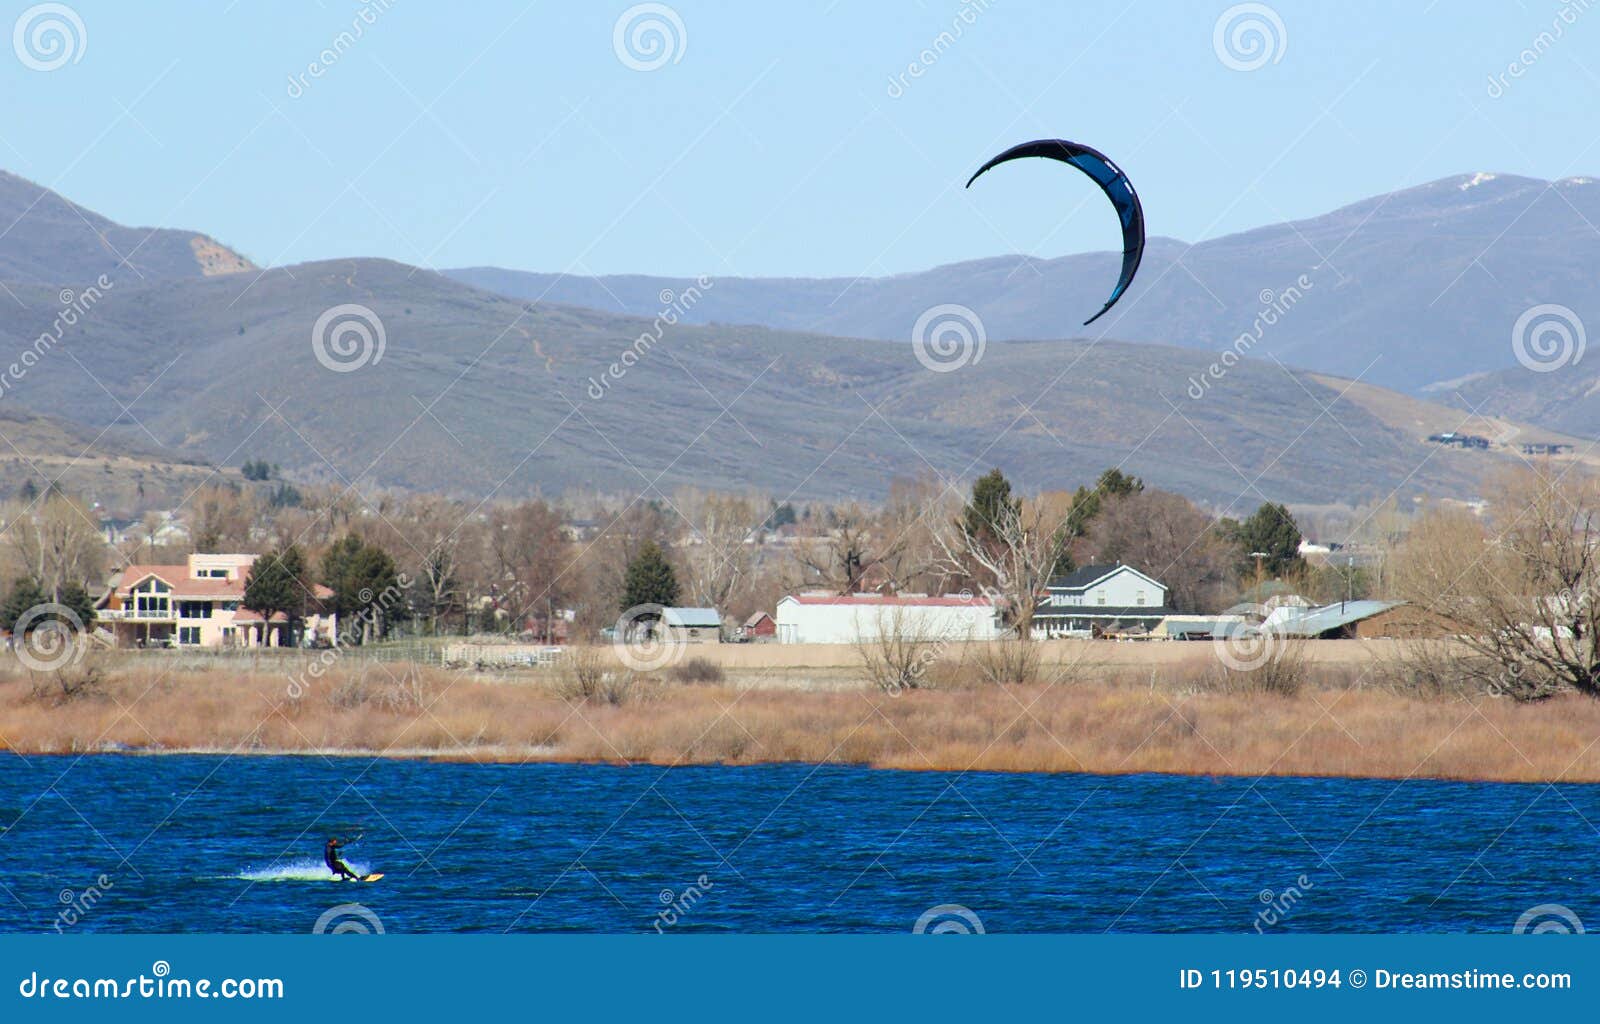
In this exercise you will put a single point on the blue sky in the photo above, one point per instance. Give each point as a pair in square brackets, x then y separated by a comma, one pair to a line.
[775, 140]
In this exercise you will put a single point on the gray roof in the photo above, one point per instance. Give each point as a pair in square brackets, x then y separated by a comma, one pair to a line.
[1316, 621]
[1083, 576]
[693, 618]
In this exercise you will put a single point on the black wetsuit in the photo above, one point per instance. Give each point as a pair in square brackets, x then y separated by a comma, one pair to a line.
[330, 856]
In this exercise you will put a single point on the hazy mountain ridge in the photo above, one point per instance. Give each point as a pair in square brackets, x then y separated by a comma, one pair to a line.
[480, 395]
[1405, 289]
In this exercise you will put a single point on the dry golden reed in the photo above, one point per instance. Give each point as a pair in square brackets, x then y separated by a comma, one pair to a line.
[1171, 719]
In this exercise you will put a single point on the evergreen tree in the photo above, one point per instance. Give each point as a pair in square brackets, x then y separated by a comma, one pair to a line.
[336, 569]
[1271, 530]
[28, 491]
[276, 584]
[991, 507]
[649, 579]
[25, 593]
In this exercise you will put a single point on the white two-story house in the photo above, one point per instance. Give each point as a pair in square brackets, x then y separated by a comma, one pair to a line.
[200, 604]
[1098, 599]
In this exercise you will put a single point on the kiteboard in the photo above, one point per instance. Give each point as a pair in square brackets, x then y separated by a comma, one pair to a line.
[372, 878]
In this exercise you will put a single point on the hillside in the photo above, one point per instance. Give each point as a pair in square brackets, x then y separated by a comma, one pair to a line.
[477, 395]
[51, 240]
[1405, 290]
[123, 478]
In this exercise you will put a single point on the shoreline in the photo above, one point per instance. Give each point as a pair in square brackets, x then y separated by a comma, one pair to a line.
[490, 757]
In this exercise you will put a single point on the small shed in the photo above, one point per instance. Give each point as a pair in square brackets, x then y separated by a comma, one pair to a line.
[690, 626]
[760, 626]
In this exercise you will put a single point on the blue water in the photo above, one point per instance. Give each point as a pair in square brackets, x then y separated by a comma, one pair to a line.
[213, 844]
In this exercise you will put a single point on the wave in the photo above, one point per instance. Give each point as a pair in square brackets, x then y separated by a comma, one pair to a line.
[304, 870]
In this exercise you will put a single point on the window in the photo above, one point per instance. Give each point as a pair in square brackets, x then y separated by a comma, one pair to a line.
[212, 574]
[188, 635]
[1099, 597]
[194, 609]
[1139, 598]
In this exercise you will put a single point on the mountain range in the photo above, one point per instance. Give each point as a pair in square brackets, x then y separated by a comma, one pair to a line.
[1407, 290]
[460, 386]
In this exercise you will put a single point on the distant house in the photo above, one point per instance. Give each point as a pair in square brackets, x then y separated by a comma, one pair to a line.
[1101, 599]
[759, 626]
[690, 626]
[1453, 439]
[824, 618]
[199, 604]
[1542, 448]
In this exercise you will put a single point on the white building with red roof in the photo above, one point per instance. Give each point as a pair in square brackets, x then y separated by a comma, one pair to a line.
[824, 618]
[200, 604]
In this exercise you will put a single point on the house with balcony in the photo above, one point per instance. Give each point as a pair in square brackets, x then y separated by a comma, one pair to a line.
[1099, 599]
[200, 604]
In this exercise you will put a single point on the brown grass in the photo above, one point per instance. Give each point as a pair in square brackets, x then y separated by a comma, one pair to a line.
[1175, 718]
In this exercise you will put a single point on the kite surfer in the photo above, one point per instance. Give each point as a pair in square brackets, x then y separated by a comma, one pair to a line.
[330, 856]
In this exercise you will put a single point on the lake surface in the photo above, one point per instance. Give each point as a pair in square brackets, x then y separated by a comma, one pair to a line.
[215, 844]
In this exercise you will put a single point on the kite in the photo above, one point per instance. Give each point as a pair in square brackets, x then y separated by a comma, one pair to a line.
[1116, 186]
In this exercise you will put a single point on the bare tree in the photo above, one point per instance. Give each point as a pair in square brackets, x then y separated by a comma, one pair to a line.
[1165, 535]
[717, 556]
[1018, 549]
[855, 549]
[898, 650]
[1522, 587]
[57, 542]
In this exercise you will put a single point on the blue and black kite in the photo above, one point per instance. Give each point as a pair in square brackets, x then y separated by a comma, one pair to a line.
[1117, 188]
